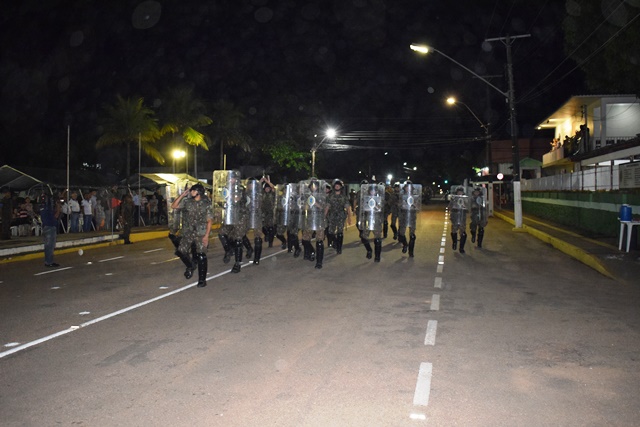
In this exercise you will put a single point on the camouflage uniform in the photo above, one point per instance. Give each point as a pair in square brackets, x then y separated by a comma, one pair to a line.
[287, 217]
[197, 216]
[409, 205]
[458, 209]
[371, 217]
[338, 207]
[312, 218]
[478, 214]
[394, 208]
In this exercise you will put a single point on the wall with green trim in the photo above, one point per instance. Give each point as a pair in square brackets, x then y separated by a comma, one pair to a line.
[595, 213]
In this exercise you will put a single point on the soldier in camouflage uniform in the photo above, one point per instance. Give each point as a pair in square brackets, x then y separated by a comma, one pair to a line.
[197, 217]
[251, 219]
[394, 208]
[338, 210]
[478, 201]
[268, 213]
[388, 194]
[312, 218]
[371, 219]
[287, 216]
[458, 210]
[410, 204]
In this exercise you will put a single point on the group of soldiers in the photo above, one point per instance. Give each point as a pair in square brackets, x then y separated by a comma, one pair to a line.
[467, 202]
[310, 209]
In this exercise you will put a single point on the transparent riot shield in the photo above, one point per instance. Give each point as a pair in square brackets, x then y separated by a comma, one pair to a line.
[459, 207]
[479, 206]
[371, 212]
[286, 203]
[253, 204]
[227, 197]
[410, 204]
[313, 201]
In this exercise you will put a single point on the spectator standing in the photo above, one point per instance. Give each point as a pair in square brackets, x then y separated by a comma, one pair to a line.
[126, 217]
[87, 212]
[7, 213]
[153, 210]
[74, 210]
[136, 208]
[50, 210]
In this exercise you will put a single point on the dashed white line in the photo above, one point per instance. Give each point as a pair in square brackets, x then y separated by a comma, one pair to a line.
[111, 259]
[435, 302]
[53, 271]
[430, 337]
[153, 250]
[423, 385]
[440, 268]
[438, 283]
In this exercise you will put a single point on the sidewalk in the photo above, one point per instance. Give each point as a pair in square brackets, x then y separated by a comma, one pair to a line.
[600, 254]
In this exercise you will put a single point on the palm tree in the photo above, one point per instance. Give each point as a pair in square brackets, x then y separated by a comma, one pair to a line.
[226, 128]
[182, 115]
[129, 121]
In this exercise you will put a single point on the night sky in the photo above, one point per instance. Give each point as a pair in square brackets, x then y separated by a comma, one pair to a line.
[342, 63]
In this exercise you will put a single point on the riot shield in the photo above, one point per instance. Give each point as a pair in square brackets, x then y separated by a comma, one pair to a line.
[253, 204]
[410, 205]
[371, 212]
[286, 203]
[459, 206]
[227, 197]
[313, 201]
[479, 206]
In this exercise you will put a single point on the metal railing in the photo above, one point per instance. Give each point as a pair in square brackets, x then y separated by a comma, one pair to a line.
[602, 178]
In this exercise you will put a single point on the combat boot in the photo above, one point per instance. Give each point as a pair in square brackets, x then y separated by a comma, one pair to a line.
[202, 270]
[454, 237]
[377, 245]
[247, 244]
[385, 229]
[331, 240]
[238, 256]
[228, 250]
[319, 253]
[367, 246]
[175, 239]
[188, 273]
[463, 239]
[289, 242]
[339, 240]
[480, 237]
[412, 244]
[395, 231]
[257, 246]
[296, 245]
[270, 235]
[473, 236]
[405, 245]
[282, 240]
[308, 250]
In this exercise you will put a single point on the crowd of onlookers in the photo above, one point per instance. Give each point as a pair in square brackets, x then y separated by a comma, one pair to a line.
[82, 211]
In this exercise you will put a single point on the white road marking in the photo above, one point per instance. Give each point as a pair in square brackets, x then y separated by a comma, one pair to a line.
[441, 250]
[435, 302]
[441, 259]
[111, 259]
[438, 283]
[423, 385]
[53, 271]
[430, 337]
[416, 416]
[153, 250]
[440, 268]
[116, 313]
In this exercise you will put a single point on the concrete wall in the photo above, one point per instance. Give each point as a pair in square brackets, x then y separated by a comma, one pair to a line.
[593, 212]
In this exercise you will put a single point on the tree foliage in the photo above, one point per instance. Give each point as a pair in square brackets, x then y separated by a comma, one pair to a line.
[128, 122]
[604, 39]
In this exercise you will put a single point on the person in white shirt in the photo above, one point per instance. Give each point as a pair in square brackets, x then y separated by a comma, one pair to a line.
[74, 210]
[87, 212]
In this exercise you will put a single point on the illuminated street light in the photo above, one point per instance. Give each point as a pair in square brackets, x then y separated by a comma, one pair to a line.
[517, 198]
[177, 155]
[331, 134]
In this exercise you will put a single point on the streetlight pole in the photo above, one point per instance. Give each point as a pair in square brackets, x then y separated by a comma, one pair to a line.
[452, 101]
[517, 199]
[330, 134]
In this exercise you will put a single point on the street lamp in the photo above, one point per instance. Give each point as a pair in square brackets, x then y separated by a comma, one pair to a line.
[177, 154]
[517, 199]
[452, 101]
[329, 134]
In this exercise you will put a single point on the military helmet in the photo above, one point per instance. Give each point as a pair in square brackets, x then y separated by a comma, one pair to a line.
[364, 181]
[337, 181]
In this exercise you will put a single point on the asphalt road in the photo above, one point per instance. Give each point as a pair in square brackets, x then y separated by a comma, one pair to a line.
[514, 334]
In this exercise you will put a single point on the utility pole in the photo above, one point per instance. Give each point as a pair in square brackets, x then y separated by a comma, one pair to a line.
[517, 195]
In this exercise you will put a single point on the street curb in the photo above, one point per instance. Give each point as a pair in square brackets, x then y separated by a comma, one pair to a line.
[569, 249]
[37, 251]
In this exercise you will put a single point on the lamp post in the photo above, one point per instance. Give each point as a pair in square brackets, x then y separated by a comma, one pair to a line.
[453, 101]
[177, 154]
[330, 134]
[517, 200]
